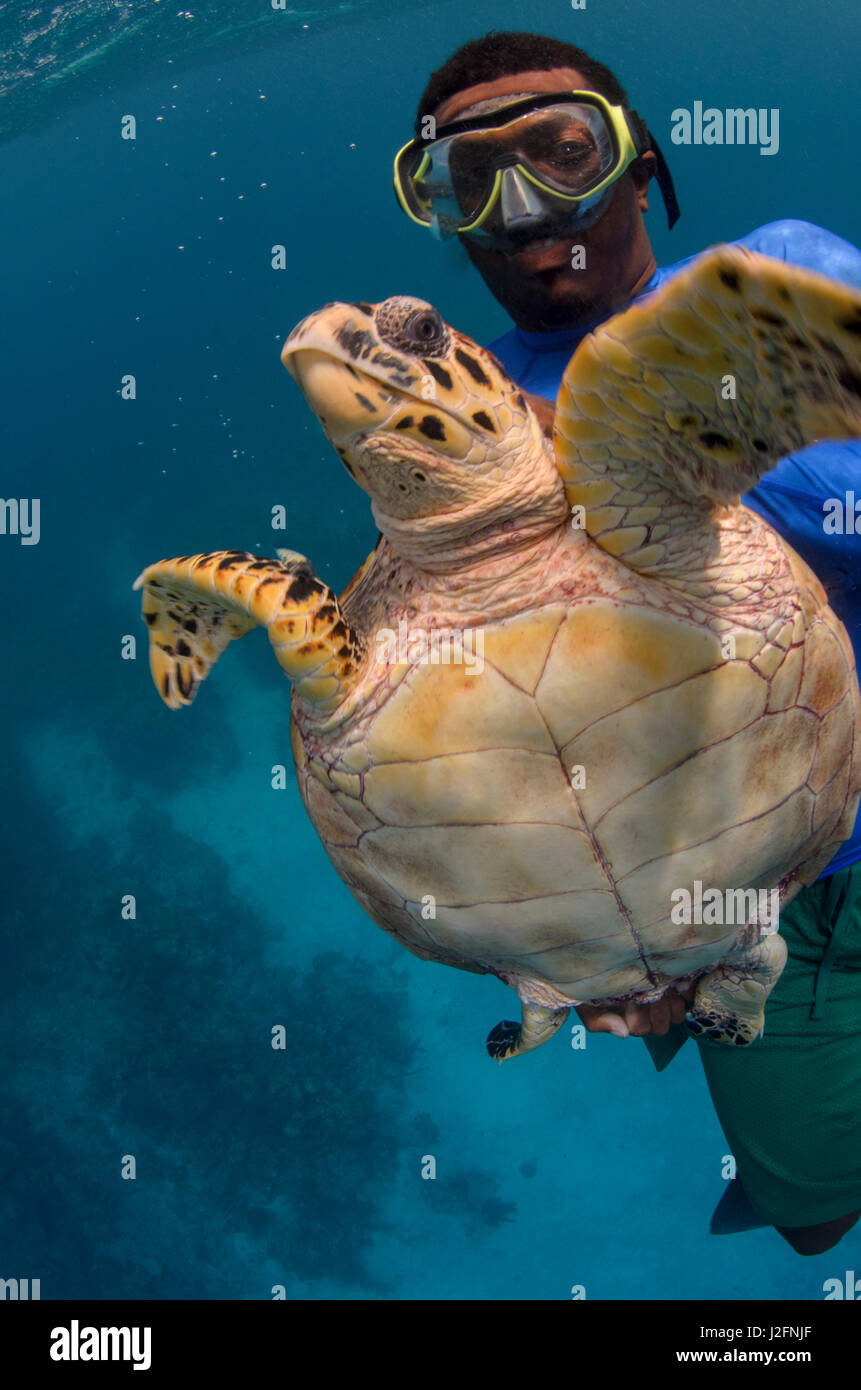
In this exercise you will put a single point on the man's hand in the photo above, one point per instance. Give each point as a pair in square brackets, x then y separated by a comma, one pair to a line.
[637, 1020]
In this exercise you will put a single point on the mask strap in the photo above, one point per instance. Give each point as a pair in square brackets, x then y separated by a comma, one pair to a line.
[665, 183]
[645, 140]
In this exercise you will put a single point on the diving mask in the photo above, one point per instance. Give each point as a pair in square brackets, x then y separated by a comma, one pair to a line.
[538, 165]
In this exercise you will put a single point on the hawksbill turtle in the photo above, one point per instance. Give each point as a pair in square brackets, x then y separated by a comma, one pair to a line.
[638, 624]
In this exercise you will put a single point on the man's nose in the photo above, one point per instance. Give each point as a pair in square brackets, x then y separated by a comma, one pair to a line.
[519, 200]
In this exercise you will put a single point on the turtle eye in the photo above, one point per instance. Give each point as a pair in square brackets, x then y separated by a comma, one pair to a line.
[425, 327]
[412, 327]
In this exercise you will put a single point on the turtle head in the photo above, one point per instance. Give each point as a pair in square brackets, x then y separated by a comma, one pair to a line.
[427, 422]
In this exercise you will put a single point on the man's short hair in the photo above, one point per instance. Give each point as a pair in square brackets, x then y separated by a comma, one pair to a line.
[502, 55]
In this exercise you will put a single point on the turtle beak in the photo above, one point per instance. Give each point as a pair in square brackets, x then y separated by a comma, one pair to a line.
[320, 354]
[296, 339]
[344, 331]
[346, 404]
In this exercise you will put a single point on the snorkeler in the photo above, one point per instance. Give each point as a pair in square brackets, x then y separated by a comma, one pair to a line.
[534, 159]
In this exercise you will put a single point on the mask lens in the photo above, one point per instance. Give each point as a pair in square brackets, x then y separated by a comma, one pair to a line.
[570, 149]
[567, 148]
[473, 161]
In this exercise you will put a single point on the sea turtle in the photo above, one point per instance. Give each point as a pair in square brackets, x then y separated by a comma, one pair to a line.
[563, 692]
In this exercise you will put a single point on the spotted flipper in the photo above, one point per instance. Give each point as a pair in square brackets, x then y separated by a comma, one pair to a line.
[729, 1004]
[511, 1039]
[196, 605]
[682, 402]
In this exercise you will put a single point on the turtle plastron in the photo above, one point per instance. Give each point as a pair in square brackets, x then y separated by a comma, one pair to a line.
[731, 763]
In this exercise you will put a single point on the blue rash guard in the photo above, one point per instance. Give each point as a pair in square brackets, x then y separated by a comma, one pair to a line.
[792, 496]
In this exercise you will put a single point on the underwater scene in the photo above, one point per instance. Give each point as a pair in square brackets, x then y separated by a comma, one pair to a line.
[222, 1079]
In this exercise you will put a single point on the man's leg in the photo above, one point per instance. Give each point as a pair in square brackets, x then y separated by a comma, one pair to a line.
[790, 1104]
[815, 1240]
[734, 1213]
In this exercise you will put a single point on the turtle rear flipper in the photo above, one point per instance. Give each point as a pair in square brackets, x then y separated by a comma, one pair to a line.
[729, 1005]
[196, 605]
[539, 1023]
[682, 402]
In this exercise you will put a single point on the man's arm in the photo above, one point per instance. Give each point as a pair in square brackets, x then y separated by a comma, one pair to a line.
[638, 1020]
[804, 244]
[794, 496]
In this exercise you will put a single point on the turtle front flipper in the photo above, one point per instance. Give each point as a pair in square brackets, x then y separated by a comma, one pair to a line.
[196, 605]
[680, 403]
[729, 1004]
[539, 1023]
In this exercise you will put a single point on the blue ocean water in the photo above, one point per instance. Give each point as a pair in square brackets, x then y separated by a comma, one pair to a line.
[151, 1037]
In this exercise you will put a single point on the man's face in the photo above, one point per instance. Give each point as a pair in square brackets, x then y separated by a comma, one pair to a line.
[537, 284]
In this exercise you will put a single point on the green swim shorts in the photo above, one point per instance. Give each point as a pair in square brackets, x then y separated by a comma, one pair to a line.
[790, 1104]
